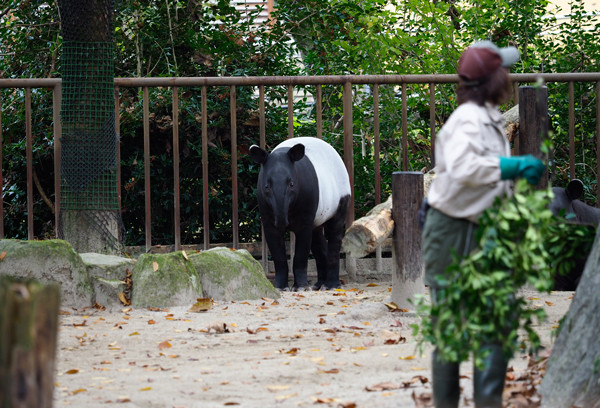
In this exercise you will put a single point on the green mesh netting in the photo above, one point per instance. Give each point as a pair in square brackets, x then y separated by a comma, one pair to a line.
[89, 139]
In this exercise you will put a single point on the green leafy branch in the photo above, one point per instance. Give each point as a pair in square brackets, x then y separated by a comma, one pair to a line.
[521, 242]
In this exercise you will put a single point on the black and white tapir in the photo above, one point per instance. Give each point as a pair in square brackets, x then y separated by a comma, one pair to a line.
[303, 187]
[566, 203]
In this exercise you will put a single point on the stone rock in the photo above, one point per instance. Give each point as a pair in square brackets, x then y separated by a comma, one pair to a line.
[227, 274]
[49, 261]
[108, 274]
[164, 280]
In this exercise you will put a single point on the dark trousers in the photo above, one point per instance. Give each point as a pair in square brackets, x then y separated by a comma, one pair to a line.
[444, 236]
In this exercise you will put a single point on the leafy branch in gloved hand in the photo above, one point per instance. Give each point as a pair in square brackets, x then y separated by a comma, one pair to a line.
[478, 302]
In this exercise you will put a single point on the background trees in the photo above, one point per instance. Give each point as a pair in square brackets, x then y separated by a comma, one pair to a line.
[304, 37]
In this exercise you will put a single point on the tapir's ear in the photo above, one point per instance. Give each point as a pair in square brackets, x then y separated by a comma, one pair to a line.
[296, 152]
[574, 189]
[258, 155]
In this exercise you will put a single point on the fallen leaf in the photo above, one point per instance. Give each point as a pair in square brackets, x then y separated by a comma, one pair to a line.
[123, 299]
[372, 284]
[164, 345]
[284, 397]
[549, 303]
[151, 321]
[275, 388]
[73, 371]
[407, 358]
[219, 327]
[422, 400]
[2, 255]
[155, 266]
[185, 255]
[78, 391]
[134, 334]
[145, 389]
[332, 371]
[416, 379]
[202, 305]
[385, 386]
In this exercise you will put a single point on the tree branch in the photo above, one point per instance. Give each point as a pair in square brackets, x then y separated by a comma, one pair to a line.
[40, 190]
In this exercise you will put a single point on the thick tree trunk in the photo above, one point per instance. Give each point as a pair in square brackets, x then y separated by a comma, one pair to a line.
[28, 331]
[572, 374]
[89, 214]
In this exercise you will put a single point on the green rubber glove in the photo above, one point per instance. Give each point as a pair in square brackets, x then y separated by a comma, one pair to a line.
[526, 166]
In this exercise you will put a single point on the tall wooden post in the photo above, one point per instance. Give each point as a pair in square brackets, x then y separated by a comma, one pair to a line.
[28, 335]
[533, 122]
[407, 273]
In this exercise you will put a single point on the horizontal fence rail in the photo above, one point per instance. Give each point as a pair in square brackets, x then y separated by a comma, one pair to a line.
[346, 82]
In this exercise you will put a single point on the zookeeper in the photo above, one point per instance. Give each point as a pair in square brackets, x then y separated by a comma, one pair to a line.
[473, 168]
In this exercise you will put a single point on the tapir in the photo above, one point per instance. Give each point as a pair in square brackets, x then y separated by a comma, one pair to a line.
[566, 203]
[575, 210]
[303, 187]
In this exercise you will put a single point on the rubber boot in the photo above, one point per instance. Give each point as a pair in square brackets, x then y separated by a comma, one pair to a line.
[446, 390]
[488, 383]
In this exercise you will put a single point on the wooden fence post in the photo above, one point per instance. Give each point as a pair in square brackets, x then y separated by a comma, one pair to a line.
[533, 122]
[407, 273]
[28, 335]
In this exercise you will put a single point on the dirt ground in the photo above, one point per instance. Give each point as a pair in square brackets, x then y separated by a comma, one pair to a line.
[341, 348]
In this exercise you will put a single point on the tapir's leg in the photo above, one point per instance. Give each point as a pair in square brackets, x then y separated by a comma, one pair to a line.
[276, 243]
[301, 252]
[334, 232]
[319, 251]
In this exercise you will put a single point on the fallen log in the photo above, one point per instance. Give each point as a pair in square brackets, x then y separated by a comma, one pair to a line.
[368, 232]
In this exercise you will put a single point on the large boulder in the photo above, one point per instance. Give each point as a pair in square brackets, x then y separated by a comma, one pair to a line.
[227, 274]
[49, 261]
[164, 280]
[108, 274]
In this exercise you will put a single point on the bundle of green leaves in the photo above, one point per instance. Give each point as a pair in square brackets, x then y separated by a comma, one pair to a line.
[520, 242]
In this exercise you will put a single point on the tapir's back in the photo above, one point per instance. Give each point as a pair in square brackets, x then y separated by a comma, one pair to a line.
[332, 176]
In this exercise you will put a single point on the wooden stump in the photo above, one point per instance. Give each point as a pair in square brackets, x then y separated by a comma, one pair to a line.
[407, 276]
[28, 335]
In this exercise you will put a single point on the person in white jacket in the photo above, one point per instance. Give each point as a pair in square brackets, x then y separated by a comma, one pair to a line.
[473, 167]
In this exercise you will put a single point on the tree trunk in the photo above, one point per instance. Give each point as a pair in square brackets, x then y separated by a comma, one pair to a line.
[89, 216]
[28, 333]
[572, 373]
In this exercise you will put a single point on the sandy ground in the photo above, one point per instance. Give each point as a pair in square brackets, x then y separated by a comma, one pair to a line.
[333, 348]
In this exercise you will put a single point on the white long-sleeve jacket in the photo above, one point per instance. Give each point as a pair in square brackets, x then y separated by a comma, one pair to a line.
[467, 151]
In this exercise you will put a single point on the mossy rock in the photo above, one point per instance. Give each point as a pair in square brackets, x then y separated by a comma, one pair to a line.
[49, 261]
[227, 274]
[164, 280]
[108, 274]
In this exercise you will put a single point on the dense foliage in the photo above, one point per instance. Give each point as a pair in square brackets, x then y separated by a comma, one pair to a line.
[521, 242]
[303, 37]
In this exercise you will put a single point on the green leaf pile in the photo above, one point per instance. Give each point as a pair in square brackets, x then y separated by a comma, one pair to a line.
[521, 242]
